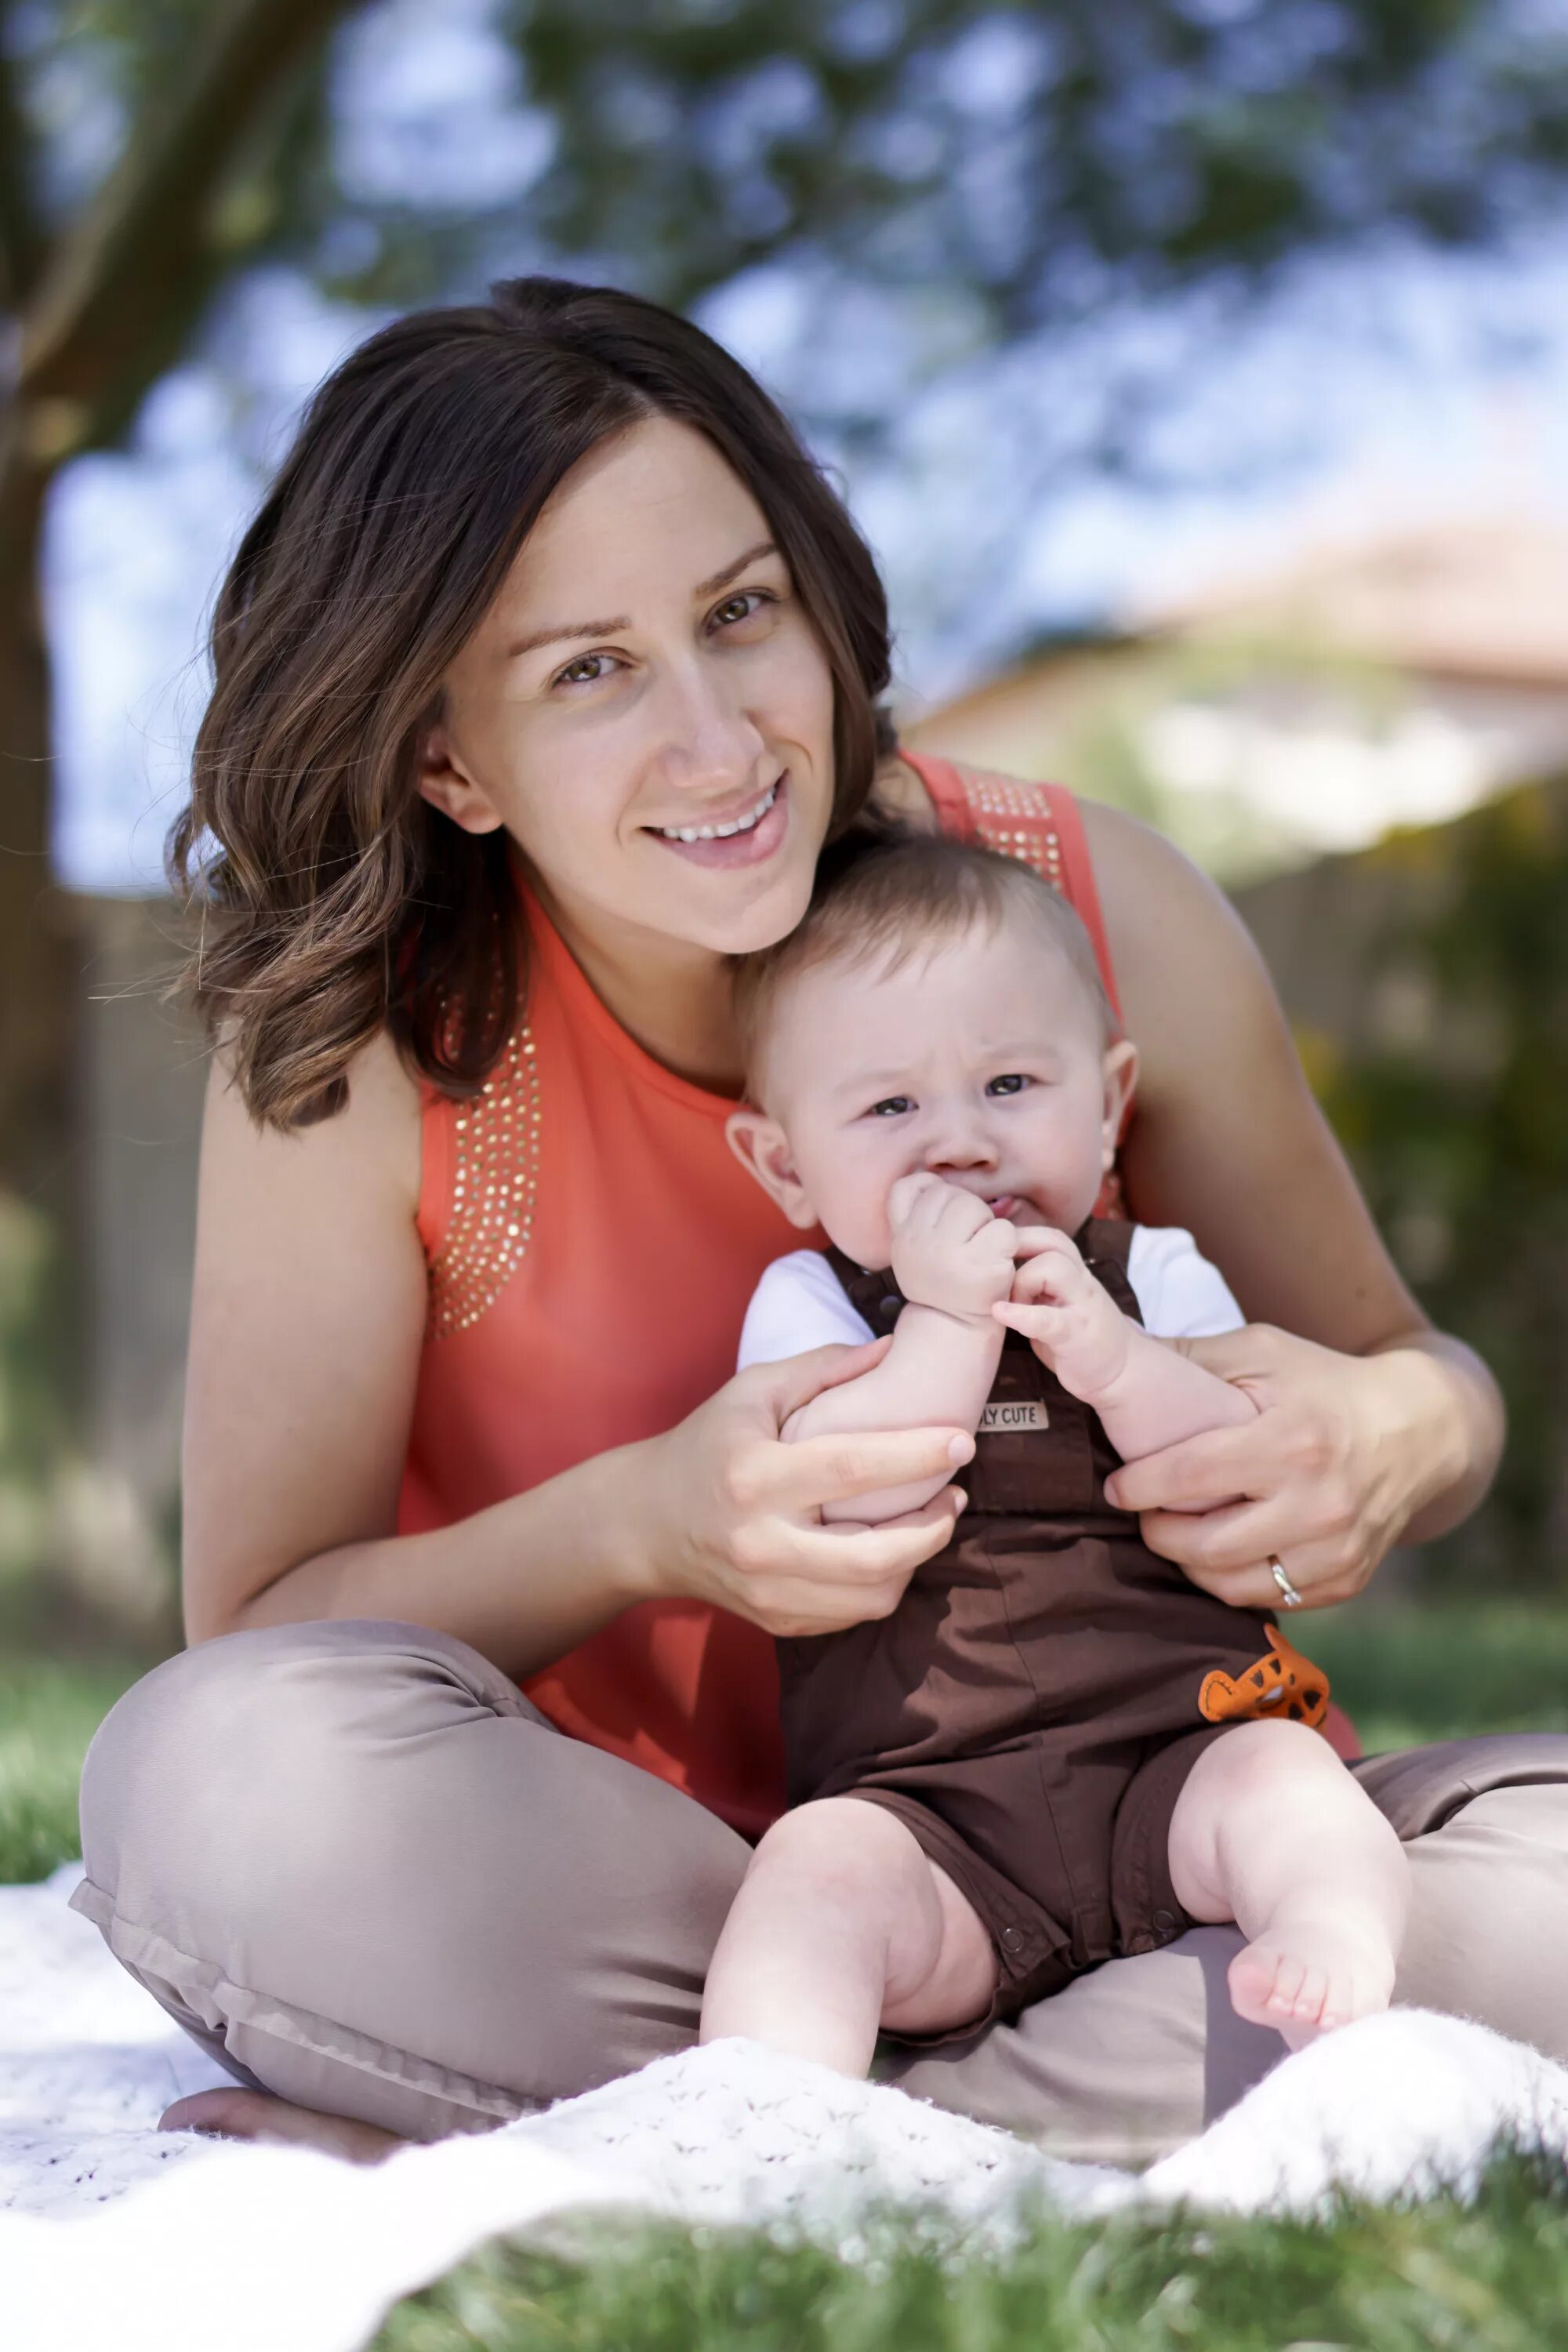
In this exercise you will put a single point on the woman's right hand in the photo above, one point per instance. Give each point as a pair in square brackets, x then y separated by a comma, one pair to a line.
[736, 1515]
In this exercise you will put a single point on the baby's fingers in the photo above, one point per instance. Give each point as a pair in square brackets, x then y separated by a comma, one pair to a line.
[1042, 1278]
[1033, 1322]
[1031, 1241]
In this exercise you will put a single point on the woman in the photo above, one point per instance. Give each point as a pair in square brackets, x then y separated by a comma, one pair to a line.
[547, 669]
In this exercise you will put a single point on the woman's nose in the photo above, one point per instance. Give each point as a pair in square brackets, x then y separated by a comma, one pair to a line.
[710, 745]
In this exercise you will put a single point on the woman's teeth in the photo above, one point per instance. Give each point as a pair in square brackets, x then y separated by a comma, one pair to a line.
[720, 832]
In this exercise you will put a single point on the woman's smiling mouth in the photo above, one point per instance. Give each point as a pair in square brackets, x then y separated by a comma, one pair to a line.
[742, 840]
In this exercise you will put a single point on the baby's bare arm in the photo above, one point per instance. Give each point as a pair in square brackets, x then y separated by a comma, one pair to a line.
[953, 1260]
[1162, 1397]
[1148, 1395]
[937, 1373]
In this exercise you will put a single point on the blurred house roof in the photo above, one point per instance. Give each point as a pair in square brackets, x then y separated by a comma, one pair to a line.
[1310, 707]
[1487, 601]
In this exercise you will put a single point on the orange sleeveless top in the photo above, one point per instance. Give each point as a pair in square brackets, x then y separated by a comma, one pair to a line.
[592, 1244]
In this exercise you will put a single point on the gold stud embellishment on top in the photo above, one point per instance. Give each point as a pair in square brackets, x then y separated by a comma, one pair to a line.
[1011, 817]
[493, 1187]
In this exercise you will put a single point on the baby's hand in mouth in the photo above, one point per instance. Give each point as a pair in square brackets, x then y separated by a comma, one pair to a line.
[949, 1250]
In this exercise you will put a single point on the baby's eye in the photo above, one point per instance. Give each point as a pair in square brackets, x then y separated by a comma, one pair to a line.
[891, 1107]
[1013, 1082]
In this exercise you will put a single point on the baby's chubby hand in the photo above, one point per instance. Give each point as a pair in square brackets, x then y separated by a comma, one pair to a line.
[949, 1251]
[1072, 1324]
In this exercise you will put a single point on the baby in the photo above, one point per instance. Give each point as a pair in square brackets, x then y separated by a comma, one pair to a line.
[1056, 1749]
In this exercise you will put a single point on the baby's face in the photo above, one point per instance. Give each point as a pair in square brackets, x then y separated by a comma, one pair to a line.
[982, 1060]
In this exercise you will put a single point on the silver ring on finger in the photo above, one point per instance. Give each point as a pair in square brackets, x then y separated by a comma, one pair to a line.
[1288, 1596]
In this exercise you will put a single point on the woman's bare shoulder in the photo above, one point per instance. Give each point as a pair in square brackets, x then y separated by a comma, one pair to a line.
[1166, 921]
[370, 1147]
[1130, 859]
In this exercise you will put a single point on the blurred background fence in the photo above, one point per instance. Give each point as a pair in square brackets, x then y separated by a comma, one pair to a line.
[1196, 367]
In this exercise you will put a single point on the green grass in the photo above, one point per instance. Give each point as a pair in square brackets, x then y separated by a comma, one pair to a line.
[49, 1712]
[1409, 1672]
[1491, 2277]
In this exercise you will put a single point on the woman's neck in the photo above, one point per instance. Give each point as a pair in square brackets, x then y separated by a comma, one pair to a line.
[672, 999]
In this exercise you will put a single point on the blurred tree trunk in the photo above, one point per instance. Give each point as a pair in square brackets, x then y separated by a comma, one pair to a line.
[38, 995]
[101, 306]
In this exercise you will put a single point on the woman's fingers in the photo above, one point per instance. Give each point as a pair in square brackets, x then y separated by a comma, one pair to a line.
[1195, 1476]
[822, 1578]
[848, 1552]
[1227, 1553]
[837, 1467]
[1314, 1570]
[782, 1388]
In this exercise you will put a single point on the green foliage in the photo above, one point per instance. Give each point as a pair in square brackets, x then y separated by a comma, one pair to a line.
[1454, 1108]
[1039, 154]
[48, 1713]
[1446, 1670]
[1036, 151]
[32, 1398]
[1490, 2276]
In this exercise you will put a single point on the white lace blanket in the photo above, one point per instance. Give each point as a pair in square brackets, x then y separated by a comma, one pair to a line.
[114, 2236]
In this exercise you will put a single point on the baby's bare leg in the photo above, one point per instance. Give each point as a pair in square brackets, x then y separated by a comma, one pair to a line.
[842, 1925]
[1271, 1830]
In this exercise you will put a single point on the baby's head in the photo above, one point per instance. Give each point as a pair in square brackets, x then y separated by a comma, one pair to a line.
[940, 1008]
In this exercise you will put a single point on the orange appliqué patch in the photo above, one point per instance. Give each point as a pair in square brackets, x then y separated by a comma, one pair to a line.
[1282, 1683]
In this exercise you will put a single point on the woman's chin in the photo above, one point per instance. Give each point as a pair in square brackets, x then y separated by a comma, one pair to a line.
[742, 896]
[759, 917]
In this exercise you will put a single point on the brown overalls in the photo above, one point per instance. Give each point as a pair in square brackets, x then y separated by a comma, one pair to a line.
[1035, 1702]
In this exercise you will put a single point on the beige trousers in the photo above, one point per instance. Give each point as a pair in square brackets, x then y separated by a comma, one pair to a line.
[365, 1873]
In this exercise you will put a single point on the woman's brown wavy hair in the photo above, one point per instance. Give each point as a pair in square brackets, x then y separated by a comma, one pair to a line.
[333, 900]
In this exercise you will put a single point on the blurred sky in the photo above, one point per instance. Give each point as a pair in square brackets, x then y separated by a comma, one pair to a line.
[1361, 393]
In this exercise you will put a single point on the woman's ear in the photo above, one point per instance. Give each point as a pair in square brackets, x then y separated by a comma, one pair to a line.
[1119, 1071]
[446, 785]
[759, 1144]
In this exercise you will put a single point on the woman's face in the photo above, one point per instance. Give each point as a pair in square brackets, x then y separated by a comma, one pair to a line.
[648, 672]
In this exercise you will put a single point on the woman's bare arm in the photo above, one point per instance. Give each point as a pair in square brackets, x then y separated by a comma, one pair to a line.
[1229, 1142]
[306, 1327]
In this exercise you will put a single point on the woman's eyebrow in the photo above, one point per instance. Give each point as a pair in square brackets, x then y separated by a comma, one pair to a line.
[722, 579]
[564, 635]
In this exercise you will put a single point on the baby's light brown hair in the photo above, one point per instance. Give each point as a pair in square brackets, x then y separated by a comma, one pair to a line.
[884, 898]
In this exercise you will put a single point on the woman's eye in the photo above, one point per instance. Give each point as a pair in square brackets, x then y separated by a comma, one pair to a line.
[582, 672]
[742, 606]
[1013, 1082]
[893, 1107]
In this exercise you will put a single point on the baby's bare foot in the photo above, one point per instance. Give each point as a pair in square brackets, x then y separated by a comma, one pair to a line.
[1305, 1977]
[251, 2114]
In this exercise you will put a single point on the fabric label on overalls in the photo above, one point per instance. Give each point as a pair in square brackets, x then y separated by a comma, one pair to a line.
[1013, 1414]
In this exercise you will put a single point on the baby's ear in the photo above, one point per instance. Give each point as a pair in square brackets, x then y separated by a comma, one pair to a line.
[1120, 1069]
[760, 1146]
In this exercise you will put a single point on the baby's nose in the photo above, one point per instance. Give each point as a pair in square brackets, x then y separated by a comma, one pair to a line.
[962, 1144]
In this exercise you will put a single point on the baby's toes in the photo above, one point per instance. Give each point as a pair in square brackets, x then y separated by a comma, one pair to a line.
[1307, 2004]
[1253, 1977]
[1289, 1979]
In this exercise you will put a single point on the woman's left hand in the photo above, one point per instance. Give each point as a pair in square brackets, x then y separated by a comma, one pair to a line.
[1343, 1453]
